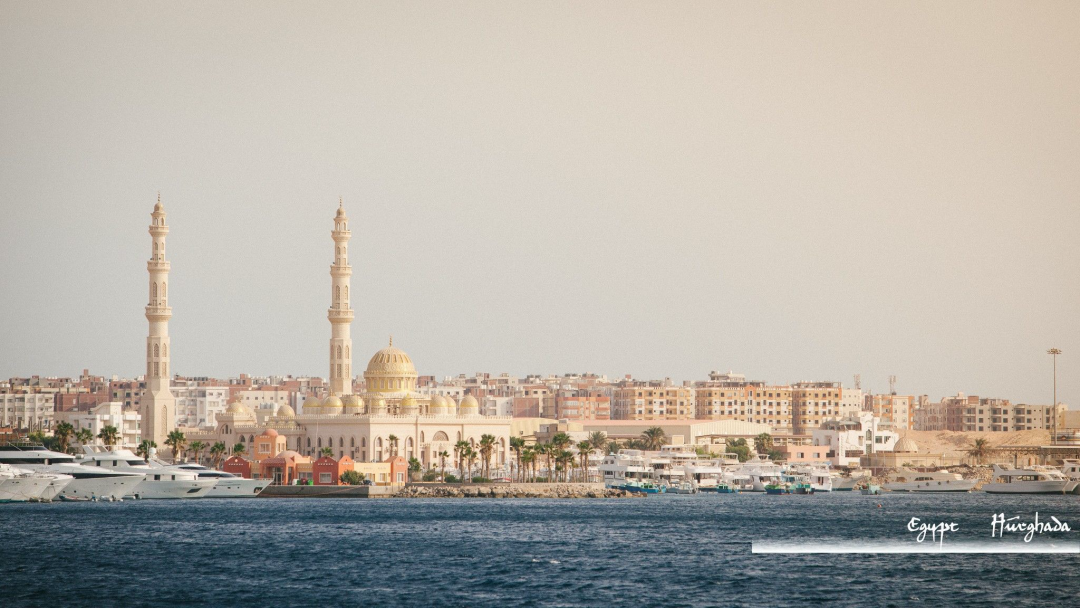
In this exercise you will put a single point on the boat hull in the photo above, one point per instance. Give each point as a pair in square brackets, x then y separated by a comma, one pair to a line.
[22, 489]
[1027, 487]
[237, 488]
[170, 489]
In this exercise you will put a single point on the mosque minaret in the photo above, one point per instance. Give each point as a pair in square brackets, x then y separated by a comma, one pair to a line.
[340, 313]
[158, 403]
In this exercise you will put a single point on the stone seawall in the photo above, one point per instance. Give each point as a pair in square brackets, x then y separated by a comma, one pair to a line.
[512, 490]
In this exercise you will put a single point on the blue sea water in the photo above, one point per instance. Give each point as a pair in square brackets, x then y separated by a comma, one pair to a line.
[661, 550]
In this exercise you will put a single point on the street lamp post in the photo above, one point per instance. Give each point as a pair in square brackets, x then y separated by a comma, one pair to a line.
[1054, 352]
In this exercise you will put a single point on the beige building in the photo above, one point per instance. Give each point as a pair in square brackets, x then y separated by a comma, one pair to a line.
[813, 403]
[27, 411]
[340, 313]
[111, 413]
[732, 397]
[897, 410]
[653, 401]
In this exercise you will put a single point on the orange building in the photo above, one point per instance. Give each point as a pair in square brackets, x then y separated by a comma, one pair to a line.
[267, 445]
[327, 472]
[283, 468]
[238, 466]
[399, 470]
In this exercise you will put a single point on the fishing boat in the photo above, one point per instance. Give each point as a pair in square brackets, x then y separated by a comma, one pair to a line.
[682, 488]
[724, 488]
[778, 488]
[643, 487]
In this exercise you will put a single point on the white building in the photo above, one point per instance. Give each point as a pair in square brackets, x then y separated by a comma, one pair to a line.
[849, 439]
[199, 406]
[110, 413]
[31, 411]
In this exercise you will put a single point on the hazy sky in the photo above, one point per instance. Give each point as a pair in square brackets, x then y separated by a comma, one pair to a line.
[793, 191]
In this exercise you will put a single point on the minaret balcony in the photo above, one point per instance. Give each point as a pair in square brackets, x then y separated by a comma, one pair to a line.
[158, 266]
[158, 313]
[159, 230]
[344, 270]
[341, 235]
[340, 315]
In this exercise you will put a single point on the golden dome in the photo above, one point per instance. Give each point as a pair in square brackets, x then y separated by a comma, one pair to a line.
[285, 412]
[408, 401]
[332, 405]
[391, 360]
[469, 405]
[353, 404]
[237, 408]
[450, 404]
[437, 403]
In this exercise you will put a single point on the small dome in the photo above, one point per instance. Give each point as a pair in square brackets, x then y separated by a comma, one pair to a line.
[437, 403]
[239, 409]
[469, 405]
[285, 412]
[288, 455]
[353, 404]
[378, 405]
[311, 402]
[332, 401]
[271, 433]
[906, 445]
[408, 401]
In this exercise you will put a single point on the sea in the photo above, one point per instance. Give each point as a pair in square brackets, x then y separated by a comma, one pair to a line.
[662, 550]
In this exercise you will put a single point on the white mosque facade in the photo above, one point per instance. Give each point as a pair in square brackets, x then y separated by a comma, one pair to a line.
[362, 426]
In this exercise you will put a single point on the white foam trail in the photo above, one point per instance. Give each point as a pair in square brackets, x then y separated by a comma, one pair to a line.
[899, 547]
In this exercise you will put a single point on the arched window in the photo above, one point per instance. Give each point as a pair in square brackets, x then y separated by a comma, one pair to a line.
[251, 439]
[156, 353]
[421, 437]
[339, 370]
[309, 442]
[156, 372]
[440, 436]
[337, 294]
[363, 442]
[153, 290]
[341, 442]
[459, 435]
[165, 369]
[339, 351]
[352, 442]
[298, 442]
[346, 292]
[164, 350]
[346, 352]
[242, 440]
[409, 443]
[320, 442]
[378, 442]
[163, 290]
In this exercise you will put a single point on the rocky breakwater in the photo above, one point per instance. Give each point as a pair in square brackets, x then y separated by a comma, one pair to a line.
[512, 490]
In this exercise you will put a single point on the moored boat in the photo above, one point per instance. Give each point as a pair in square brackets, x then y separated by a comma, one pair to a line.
[1028, 480]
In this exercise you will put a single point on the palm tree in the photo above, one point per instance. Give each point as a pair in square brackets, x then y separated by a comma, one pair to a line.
[328, 452]
[763, 443]
[443, 455]
[516, 445]
[487, 446]
[84, 436]
[63, 433]
[584, 449]
[393, 445]
[144, 449]
[196, 448]
[109, 435]
[598, 440]
[459, 452]
[239, 449]
[565, 459]
[980, 450]
[543, 449]
[561, 441]
[525, 462]
[217, 452]
[653, 438]
[177, 442]
[470, 458]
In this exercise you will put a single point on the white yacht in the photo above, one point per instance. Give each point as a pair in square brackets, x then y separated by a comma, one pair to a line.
[87, 483]
[158, 481]
[845, 481]
[761, 472]
[228, 485]
[625, 466]
[1071, 469]
[57, 483]
[1029, 480]
[17, 485]
[933, 481]
[819, 477]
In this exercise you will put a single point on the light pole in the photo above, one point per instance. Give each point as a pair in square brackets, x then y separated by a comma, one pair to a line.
[1054, 352]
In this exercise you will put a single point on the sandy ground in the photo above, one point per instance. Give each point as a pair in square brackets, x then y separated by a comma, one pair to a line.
[954, 443]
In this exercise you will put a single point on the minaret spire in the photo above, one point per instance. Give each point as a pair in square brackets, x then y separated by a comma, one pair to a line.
[341, 312]
[158, 403]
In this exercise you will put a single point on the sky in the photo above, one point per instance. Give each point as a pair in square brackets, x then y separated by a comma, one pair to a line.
[791, 191]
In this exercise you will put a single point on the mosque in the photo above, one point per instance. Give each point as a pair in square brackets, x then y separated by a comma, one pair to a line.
[390, 418]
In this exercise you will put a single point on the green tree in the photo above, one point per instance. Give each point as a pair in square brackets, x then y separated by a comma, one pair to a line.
[612, 447]
[352, 478]
[470, 459]
[443, 455]
[598, 440]
[528, 463]
[414, 465]
[487, 446]
[980, 450]
[84, 436]
[63, 433]
[763, 443]
[653, 438]
[144, 449]
[740, 448]
[217, 453]
[516, 445]
[328, 452]
[584, 449]
[196, 449]
[109, 435]
[393, 445]
[239, 449]
[565, 460]
[459, 452]
[177, 442]
[561, 441]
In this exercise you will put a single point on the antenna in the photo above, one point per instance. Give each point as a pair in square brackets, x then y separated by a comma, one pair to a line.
[858, 382]
[892, 385]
